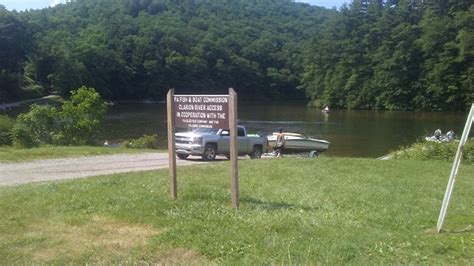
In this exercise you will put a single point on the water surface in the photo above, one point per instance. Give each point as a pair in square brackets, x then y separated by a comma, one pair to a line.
[353, 133]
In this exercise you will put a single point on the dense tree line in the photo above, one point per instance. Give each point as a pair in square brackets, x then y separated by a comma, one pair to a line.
[405, 54]
[137, 49]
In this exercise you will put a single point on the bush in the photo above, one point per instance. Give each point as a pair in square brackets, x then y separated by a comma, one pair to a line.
[428, 150]
[80, 117]
[75, 124]
[6, 125]
[145, 142]
[36, 127]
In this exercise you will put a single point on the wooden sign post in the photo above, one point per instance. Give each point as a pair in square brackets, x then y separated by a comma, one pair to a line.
[171, 144]
[454, 169]
[234, 174]
[208, 111]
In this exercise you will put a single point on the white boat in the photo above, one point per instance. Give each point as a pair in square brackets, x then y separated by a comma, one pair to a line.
[297, 143]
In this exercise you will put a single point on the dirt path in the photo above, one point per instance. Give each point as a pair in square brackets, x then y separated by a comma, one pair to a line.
[12, 174]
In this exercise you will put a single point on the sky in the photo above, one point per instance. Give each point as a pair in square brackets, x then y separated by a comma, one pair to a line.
[21, 5]
[325, 3]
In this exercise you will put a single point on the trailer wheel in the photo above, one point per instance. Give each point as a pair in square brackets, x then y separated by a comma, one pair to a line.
[313, 154]
[256, 153]
[182, 156]
[210, 152]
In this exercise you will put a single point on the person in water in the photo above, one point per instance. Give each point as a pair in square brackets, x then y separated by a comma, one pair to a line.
[450, 135]
[279, 143]
[437, 134]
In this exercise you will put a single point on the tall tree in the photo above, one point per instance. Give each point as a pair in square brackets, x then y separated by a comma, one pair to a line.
[14, 40]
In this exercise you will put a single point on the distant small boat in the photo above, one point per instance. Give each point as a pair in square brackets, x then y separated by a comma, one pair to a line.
[298, 143]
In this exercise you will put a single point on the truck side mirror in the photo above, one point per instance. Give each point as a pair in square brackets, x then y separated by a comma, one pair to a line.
[225, 133]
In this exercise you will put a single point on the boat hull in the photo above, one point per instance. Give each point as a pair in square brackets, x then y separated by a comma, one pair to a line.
[295, 143]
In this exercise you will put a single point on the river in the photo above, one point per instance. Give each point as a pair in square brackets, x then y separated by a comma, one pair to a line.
[352, 133]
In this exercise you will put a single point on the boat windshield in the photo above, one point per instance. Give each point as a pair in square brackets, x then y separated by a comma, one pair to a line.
[206, 130]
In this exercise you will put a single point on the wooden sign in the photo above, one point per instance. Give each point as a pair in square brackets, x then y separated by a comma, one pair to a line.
[208, 111]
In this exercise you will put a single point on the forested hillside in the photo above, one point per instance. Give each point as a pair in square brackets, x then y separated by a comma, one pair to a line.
[137, 49]
[406, 54]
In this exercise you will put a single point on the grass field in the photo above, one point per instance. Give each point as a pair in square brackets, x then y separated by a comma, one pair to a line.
[10, 154]
[293, 211]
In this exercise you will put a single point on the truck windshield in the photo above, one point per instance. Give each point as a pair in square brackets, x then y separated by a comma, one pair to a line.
[206, 130]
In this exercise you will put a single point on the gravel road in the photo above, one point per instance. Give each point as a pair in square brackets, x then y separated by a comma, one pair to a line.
[12, 174]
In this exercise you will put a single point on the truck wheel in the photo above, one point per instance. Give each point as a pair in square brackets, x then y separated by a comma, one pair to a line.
[209, 152]
[182, 156]
[256, 153]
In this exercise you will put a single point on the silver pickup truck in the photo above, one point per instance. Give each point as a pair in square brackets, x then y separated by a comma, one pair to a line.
[209, 142]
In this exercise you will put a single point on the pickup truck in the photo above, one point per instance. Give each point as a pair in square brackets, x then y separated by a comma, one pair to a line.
[209, 142]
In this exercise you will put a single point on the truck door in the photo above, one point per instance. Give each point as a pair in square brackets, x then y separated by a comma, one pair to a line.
[223, 145]
[243, 141]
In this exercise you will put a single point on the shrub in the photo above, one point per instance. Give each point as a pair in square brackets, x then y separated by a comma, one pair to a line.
[6, 125]
[36, 127]
[80, 117]
[428, 150]
[145, 142]
[75, 124]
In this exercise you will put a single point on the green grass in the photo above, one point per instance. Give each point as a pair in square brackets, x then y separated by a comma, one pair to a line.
[10, 154]
[293, 211]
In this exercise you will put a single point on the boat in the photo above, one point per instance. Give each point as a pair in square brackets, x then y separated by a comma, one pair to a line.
[298, 143]
[439, 137]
